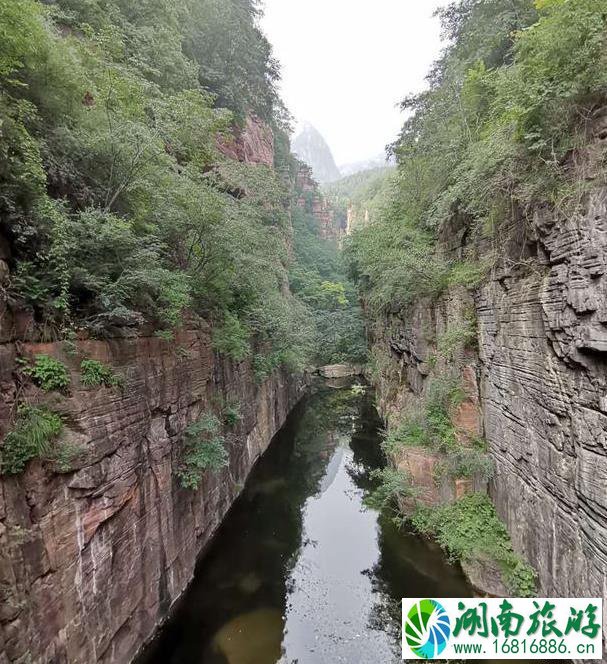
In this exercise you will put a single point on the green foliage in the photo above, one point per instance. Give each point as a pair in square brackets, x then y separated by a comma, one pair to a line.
[22, 34]
[33, 436]
[94, 374]
[165, 335]
[48, 373]
[231, 414]
[118, 206]
[466, 463]
[362, 194]
[469, 274]
[203, 449]
[470, 530]
[392, 485]
[488, 141]
[318, 279]
[64, 456]
[411, 432]
[433, 428]
[459, 336]
[232, 339]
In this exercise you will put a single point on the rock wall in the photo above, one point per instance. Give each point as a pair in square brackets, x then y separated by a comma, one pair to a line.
[543, 352]
[92, 560]
[311, 200]
[251, 144]
[406, 361]
[540, 378]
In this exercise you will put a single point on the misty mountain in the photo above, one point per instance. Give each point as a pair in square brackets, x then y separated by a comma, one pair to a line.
[311, 147]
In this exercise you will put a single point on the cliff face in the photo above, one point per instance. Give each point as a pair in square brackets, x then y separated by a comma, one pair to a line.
[539, 381]
[543, 341]
[311, 200]
[91, 560]
[251, 144]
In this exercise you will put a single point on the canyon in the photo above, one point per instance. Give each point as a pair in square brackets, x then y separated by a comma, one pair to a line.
[92, 560]
[534, 381]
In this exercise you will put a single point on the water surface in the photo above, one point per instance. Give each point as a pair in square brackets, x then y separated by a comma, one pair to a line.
[301, 571]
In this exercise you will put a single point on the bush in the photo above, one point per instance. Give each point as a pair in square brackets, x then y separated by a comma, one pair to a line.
[95, 374]
[432, 427]
[64, 456]
[232, 339]
[469, 530]
[231, 414]
[466, 463]
[203, 449]
[509, 102]
[32, 437]
[393, 484]
[48, 373]
[411, 432]
[460, 336]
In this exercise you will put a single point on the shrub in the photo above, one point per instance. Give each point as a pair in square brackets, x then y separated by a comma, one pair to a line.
[466, 463]
[232, 339]
[411, 432]
[469, 530]
[231, 414]
[165, 335]
[432, 427]
[33, 435]
[95, 374]
[460, 336]
[263, 365]
[203, 449]
[48, 373]
[393, 484]
[468, 274]
[64, 456]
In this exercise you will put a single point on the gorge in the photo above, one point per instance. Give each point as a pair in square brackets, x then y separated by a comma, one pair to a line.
[243, 413]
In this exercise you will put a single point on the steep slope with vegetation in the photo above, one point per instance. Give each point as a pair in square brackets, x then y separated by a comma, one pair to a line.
[358, 198]
[487, 269]
[112, 134]
[318, 277]
[161, 293]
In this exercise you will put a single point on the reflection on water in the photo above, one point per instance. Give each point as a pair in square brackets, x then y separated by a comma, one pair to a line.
[301, 572]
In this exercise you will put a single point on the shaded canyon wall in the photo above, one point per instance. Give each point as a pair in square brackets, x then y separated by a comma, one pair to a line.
[91, 560]
[537, 381]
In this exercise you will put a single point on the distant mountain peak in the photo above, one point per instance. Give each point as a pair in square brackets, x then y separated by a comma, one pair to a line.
[310, 146]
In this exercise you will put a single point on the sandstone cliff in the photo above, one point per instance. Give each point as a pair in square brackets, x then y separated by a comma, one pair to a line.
[93, 557]
[310, 199]
[91, 560]
[251, 144]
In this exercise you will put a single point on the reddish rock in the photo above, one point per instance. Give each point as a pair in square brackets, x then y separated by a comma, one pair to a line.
[252, 144]
[92, 560]
[311, 200]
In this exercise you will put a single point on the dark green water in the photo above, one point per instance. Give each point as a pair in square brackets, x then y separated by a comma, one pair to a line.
[300, 571]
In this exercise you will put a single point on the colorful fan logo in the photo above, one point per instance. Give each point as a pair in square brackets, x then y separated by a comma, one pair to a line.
[427, 629]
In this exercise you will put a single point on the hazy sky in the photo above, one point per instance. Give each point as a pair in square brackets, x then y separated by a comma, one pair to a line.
[347, 63]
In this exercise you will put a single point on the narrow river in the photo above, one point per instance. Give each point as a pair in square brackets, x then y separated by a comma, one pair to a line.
[301, 571]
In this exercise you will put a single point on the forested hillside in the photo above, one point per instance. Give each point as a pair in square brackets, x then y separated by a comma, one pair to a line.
[508, 105]
[483, 280]
[361, 197]
[120, 201]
